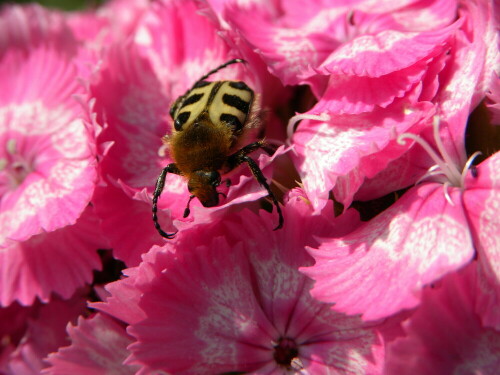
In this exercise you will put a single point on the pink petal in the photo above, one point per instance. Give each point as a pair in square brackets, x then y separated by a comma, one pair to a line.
[125, 294]
[399, 173]
[180, 44]
[56, 262]
[445, 336]
[386, 52]
[353, 146]
[290, 52]
[98, 347]
[31, 25]
[358, 94]
[493, 102]
[482, 200]
[380, 268]
[128, 224]
[412, 16]
[114, 20]
[467, 77]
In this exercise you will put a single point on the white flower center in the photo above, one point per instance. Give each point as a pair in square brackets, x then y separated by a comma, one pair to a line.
[445, 171]
[14, 167]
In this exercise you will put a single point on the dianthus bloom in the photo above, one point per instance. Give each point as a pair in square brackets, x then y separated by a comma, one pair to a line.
[242, 306]
[48, 167]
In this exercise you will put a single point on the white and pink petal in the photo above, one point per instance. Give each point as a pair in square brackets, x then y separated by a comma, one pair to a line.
[380, 268]
[55, 262]
[353, 147]
[481, 200]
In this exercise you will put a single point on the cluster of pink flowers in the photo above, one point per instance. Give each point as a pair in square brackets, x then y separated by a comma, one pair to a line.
[385, 118]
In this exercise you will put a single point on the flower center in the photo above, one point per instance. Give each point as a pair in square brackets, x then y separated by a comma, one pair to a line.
[445, 171]
[286, 353]
[14, 168]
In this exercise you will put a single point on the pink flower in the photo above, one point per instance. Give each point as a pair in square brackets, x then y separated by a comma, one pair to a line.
[47, 163]
[244, 306]
[381, 267]
[98, 346]
[445, 335]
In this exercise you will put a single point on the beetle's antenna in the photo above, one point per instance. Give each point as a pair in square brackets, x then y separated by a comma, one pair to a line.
[213, 71]
[160, 184]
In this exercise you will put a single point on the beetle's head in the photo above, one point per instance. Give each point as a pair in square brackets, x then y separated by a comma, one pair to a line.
[203, 185]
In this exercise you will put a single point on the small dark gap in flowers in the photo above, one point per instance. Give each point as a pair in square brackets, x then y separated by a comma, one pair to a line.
[111, 271]
[369, 209]
[301, 100]
[481, 134]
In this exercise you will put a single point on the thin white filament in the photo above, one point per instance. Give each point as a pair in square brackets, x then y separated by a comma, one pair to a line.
[446, 194]
[290, 128]
[450, 170]
[441, 164]
[468, 164]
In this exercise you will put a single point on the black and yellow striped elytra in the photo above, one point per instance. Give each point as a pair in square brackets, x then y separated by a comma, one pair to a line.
[225, 102]
[209, 120]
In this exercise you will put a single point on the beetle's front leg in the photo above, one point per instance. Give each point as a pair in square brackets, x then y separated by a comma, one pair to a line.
[160, 184]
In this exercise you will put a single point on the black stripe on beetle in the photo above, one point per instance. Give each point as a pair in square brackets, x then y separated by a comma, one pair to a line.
[236, 102]
[231, 120]
[192, 99]
[181, 120]
[240, 86]
[201, 84]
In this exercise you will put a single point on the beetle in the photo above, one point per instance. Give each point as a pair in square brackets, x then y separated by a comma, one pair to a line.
[209, 122]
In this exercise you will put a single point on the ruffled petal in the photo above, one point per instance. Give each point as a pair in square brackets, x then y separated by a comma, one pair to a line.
[381, 267]
[482, 202]
[444, 335]
[56, 262]
[386, 52]
[352, 147]
[98, 347]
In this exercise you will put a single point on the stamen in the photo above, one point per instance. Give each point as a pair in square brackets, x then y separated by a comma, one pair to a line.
[290, 128]
[445, 164]
[468, 165]
[446, 194]
[451, 171]
[440, 163]
[445, 167]
[11, 146]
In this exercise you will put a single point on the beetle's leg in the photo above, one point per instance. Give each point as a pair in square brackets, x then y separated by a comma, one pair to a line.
[241, 157]
[160, 184]
[187, 211]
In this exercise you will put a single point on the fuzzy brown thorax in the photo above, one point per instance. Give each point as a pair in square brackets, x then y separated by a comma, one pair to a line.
[201, 146]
